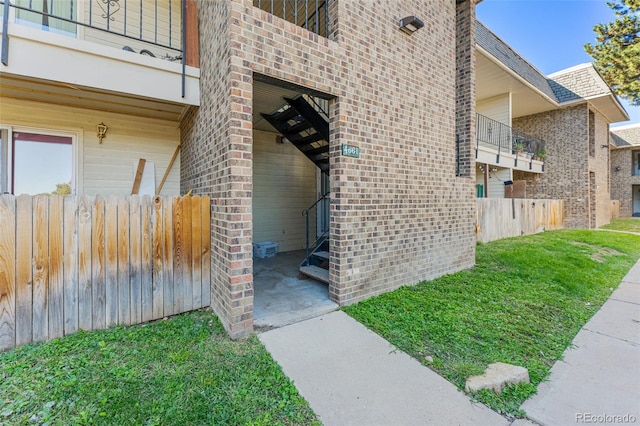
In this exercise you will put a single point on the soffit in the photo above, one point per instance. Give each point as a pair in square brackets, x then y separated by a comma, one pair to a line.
[76, 96]
[493, 80]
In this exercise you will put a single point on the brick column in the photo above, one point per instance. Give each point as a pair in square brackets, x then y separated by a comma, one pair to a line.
[216, 160]
[466, 85]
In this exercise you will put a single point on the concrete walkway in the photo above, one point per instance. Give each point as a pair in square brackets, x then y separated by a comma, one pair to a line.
[600, 374]
[351, 376]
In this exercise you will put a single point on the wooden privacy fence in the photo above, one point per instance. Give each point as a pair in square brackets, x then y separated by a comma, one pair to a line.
[509, 217]
[91, 262]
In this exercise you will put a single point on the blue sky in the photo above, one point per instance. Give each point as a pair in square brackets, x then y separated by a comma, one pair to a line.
[550, 34]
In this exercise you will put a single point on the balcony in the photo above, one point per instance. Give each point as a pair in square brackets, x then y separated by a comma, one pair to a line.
[501, 145]
[88, 53]
[310, 14]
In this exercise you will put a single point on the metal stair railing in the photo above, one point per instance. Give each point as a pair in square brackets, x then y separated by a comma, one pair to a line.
[324, 232]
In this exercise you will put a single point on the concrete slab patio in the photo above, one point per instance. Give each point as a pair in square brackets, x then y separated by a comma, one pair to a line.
[598, 380]
[351, 376]
[281, 298]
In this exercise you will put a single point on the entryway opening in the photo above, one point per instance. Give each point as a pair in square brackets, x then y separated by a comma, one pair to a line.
[291, 217]
[635, 208]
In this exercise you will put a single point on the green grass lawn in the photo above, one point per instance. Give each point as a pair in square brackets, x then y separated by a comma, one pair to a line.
[631, 224]
[523, 303]
[181, 371]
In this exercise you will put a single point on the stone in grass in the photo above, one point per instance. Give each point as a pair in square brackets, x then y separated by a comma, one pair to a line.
[496, 376]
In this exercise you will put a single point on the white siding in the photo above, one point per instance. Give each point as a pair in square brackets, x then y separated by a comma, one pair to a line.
[496, 182]
[479, 179]
[497, 108]
[284, 184]
[105, 168]
[166, 13]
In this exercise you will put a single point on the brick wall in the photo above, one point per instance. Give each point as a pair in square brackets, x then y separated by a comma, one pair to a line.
[622, 180]
[399, 214]
[568, 163]
[466, 86]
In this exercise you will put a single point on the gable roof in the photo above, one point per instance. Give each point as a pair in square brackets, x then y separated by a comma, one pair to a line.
[510, 58]
[578, 82]
[626, 136]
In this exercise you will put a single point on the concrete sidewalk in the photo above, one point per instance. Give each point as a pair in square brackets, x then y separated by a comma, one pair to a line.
[351, 376]
[599, 376]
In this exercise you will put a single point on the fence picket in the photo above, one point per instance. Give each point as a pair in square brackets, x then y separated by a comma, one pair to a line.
[56, 310]
[70, 258]
[196, 252]
[98, 259]
[7, 272]
[205, 208]
[178, 254]
[167, 236]
[124, 294]
[187, 287]
[40, 267]
[147, 260]
[111, 265]
[24, 275]
[135, 263]
[158, 258]
[85, 291]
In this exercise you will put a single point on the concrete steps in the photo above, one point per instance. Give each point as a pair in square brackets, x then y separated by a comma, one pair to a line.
[324, 255]
[315, 272]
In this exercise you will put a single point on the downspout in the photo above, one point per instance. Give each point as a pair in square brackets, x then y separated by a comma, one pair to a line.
[5, 33]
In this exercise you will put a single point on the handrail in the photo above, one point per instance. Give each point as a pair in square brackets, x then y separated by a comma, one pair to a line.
[305, 212]
[492, 132]
[106, 30]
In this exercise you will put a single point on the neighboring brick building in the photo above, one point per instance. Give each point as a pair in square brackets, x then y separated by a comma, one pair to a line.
[399, 214]
[565, 115]
[625, 169]
[577, 141]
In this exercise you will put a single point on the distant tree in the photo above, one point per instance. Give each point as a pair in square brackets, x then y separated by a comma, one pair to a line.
[63, 188]
[617, 49]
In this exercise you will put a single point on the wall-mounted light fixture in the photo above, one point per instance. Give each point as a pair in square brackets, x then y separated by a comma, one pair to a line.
[604, 146]
[410, 24]
[617, 169]
[102, 132]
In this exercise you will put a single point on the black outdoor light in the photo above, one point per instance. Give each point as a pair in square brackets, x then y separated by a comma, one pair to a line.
[410, 24]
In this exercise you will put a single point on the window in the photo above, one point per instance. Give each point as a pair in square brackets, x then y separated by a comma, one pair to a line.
[67, 9]
[636, 163]
[592, 134]
[41, 164]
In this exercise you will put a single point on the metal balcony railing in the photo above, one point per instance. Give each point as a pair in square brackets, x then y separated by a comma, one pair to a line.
[149, 27]
[310, 14]
[504, 138]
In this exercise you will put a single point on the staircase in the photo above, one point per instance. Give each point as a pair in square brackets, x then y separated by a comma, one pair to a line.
[316, 264]
[304, 123]
[305, 127]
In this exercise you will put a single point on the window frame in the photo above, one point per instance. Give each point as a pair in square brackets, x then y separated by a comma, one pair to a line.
[76, 181]
[635, 162]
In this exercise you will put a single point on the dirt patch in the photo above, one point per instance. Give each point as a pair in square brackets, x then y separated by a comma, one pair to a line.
[599, 253]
